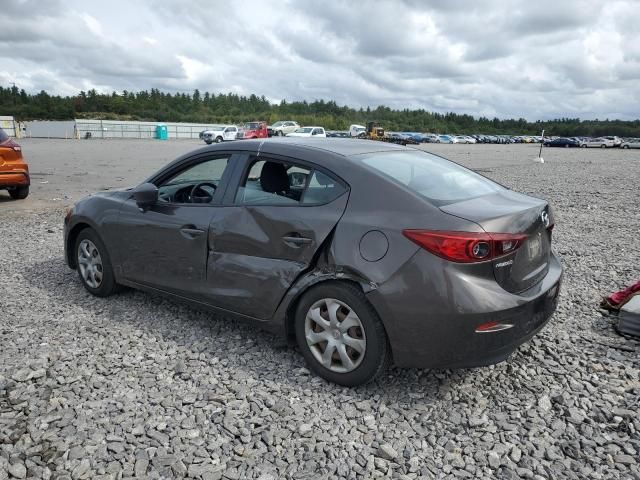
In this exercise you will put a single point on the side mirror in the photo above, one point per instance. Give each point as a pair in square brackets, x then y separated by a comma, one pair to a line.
[145, 194]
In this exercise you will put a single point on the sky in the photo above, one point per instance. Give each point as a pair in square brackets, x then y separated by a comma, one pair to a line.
[534, 59]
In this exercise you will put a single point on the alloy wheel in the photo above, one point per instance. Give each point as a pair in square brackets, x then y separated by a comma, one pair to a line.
[335, 335]
[90, 263]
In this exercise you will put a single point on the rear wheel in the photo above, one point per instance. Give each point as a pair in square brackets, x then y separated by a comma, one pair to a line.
[340, 335]
[583, 146]
[625, 146]
[603, 146]
[94, 264]
[19, 193]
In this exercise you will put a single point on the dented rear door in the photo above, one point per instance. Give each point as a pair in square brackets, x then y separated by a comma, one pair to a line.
[256, 252]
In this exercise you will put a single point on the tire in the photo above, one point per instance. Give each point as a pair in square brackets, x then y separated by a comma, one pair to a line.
[625, 146]
[365, 330]
[218, 139]
[280, 133]
[19, 193]
[88, 240]
[583, 146]
[603, 146]
[566, 145]
[208, 142]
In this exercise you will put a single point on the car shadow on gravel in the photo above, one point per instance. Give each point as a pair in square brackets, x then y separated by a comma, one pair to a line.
[203, 332]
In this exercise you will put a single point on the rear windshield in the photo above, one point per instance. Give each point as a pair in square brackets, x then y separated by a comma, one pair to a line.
[3, 136]
[252, 126]
[434, 178]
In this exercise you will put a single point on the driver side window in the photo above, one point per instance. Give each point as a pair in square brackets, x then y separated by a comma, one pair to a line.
[195, 184]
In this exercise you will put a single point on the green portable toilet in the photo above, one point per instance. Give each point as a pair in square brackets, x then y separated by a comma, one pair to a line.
[162, 133]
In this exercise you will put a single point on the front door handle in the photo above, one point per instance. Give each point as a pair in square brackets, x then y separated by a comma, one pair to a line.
[191, 232]
[296, 240]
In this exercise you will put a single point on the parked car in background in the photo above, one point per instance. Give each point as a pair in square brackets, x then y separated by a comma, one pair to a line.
[445, 139]
[631, 143]
[253, 130]
[431, 138]
[280, 129]
[596, 143]
[337, 134]
[308, 132]
[309, 242]
[14, 171]
[219, 134]
[561, 142]
[357, 131]
[617, 141]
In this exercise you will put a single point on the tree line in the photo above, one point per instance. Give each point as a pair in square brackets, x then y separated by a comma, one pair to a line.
[196, 107]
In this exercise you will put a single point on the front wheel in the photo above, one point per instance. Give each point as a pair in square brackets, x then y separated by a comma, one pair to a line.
[218, 139]
[280, 133]
[340, 334]
[19, 193]
[625, 146]
[208, 142]
[94, 264]
[603, 146]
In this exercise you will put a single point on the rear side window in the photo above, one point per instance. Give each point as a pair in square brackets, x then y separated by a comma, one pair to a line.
[434, 178]
[3, 136]
[270, 182]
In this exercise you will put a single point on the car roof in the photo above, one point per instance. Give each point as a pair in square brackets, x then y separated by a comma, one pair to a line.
[333, 145]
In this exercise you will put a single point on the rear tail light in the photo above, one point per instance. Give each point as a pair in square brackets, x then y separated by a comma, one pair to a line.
[466, 247]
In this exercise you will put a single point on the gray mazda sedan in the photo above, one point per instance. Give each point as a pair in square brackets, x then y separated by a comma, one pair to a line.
[362, 252]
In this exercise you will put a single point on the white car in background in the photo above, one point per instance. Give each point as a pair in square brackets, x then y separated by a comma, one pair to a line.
[282, 128]
[596, 143]
[631, 143]
[357, 131]
[617, 141]
[219, 134]
[308, 132]
[463, 139]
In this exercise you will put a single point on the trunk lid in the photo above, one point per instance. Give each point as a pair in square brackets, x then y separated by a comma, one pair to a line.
[510, 212]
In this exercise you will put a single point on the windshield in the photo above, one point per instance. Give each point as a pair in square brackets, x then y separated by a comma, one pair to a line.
[304, 130]
[252, 126]
[278, 124]
[217, 129]
[434, 178]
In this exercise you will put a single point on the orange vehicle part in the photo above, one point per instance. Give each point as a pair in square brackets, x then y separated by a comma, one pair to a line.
[14, 171]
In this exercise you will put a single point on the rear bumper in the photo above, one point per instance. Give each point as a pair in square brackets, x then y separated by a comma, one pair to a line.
[426, 334]
[15, 178]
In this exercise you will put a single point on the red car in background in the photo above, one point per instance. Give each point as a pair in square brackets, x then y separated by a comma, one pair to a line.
[14, 171]
[253, 130]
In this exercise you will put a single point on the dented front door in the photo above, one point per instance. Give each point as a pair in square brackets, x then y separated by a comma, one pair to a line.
[257, 252]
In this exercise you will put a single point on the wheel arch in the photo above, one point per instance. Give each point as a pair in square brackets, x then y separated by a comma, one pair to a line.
[312, 280]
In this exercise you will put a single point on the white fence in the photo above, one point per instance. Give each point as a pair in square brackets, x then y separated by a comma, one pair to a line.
[8, 124]
[121, 129]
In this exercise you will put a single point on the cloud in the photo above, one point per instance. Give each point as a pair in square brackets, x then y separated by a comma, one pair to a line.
[527, 59]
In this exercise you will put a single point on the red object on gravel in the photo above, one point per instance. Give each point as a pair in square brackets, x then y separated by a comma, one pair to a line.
[618, 299]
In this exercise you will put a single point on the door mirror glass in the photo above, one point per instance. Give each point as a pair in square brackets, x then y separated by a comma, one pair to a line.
[145, 194]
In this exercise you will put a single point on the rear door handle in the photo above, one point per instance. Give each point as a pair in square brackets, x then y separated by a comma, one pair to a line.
[191, 232]
[297, 240]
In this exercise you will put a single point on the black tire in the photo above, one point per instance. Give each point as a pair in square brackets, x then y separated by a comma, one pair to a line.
[218, 139]
[280, 133]
[583, 146]
[208, 142]
[625, 146]
[603, 146]
[19, 193]
[377, 355]
[108, 284]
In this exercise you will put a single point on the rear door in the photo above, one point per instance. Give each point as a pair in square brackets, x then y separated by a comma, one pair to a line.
[268, 232]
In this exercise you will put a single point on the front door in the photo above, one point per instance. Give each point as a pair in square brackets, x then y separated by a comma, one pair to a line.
[270, 232]
[167, 243]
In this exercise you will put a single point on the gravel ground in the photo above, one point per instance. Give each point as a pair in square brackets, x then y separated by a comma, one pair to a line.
[136, 385]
